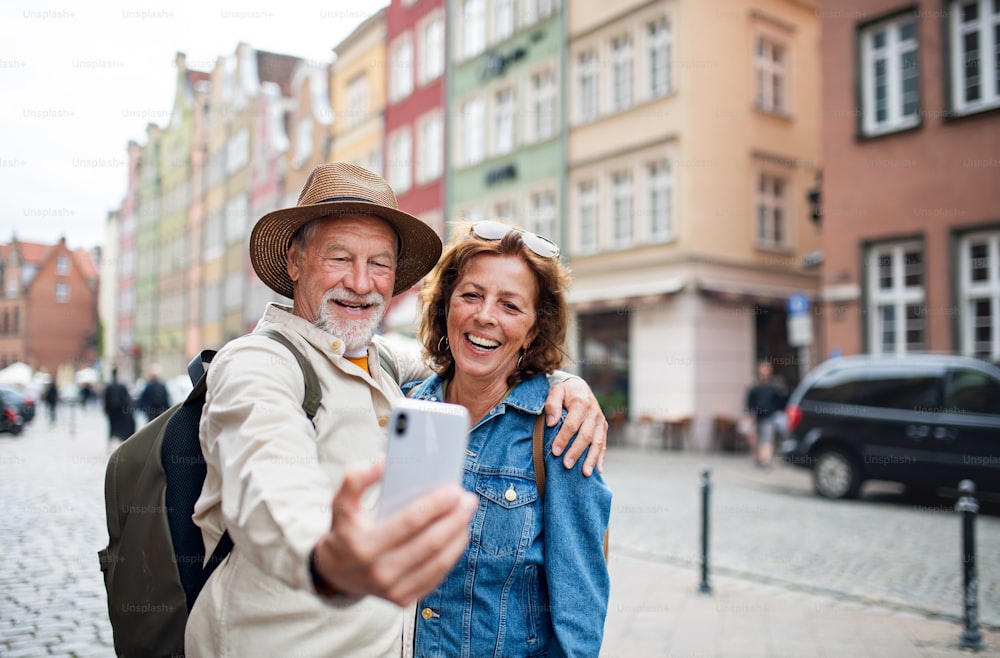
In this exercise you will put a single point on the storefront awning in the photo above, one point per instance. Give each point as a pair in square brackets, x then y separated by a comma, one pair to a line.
[749, 292]
[600, 295]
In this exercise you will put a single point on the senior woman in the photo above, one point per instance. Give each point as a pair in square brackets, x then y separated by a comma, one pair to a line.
[533, 580]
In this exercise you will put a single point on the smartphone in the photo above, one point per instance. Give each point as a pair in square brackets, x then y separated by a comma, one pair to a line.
[426, 449]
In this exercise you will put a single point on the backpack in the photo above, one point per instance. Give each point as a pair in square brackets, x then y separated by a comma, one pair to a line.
[154, 564]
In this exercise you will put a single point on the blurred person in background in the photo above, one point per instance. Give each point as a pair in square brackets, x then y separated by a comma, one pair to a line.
[154, 399]
[119, 408]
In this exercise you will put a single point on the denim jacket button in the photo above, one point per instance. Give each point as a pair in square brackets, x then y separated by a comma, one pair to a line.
[427, 613]
[510, 495]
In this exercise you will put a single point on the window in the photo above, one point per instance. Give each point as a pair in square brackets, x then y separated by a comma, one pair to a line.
[503, 135]
[401, 72]
[62, 292]
[473, 27]
[544, 8]
[660, 201]
[432, 50]
[896, 311]
[912, 389]
[979, 294]
[971, 391]
[472, 132]
[975, 55]
[543, 117]
[543, 214]
[587, 200]
[238, 151]
[503, 19]
[62, 264]
[504, 210]
[772, 76]
[237, 214]
[890, 93]
[621, 208]
[430, 158]
[587, 86]
[660, 53]
[621, 73]
[357, 100]
[12, 287]
[303, 141]
[772, 211]
[401, 162]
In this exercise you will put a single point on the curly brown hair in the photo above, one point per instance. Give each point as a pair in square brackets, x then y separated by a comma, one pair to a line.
[547, 351]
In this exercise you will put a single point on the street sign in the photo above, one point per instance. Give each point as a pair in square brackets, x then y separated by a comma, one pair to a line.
[798, 304]
[800, 330]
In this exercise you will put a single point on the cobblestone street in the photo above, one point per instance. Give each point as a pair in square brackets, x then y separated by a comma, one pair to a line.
[769, 534]
[768, 526]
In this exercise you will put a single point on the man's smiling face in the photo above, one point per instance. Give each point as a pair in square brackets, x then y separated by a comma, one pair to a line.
[345, 276]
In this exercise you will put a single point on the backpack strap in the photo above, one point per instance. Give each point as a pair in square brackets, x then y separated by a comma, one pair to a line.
[537, 456]
[313, 394]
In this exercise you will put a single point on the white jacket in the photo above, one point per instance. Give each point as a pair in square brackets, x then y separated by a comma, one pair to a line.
[271, 480]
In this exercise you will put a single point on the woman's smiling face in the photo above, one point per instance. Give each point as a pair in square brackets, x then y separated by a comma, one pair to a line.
[491, 316]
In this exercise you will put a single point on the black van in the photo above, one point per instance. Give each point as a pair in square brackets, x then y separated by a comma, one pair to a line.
[926, 421]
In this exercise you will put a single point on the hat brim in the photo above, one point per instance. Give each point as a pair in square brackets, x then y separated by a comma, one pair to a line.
[420, 246]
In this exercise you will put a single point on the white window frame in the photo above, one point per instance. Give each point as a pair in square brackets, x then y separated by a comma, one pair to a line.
[661, 200]
[504, 112]
[503, 20]
[898, 296]
[357, 100]
[503, 209]
[771, 74]
[430, 147]
[772, 209]
[543, 117]
[621, 208]
[588, 216]
[62, 264]
[62, 292]
[543, 213]
[401, 160]
[621, 73]
[473, 28]
[889, 55]
[431, 49]
[587, 79]
[401, 68]
[972, 292]
[986, 28]
[473, 117]
[660, 49]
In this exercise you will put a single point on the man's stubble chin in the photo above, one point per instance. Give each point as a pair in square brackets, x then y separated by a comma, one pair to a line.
[356, 334]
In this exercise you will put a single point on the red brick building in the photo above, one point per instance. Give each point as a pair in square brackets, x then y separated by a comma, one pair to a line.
[911, 177]
[48, 310]
[415, 121]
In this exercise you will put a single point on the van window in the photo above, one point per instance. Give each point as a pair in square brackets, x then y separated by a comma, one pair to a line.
[971, 391]
[916, 391]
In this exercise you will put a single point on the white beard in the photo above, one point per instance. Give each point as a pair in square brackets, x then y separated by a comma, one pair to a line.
[356, 334]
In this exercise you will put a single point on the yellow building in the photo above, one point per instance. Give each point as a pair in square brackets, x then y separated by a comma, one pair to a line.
[693, 144]
[358, 95]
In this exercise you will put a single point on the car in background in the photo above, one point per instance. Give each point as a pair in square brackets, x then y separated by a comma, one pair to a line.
[926, 421]
[20, 400]
[10, 419]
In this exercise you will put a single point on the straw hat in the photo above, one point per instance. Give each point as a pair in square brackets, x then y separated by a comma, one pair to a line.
[339, 189]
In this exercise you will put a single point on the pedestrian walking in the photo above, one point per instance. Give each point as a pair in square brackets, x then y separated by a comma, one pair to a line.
[154, 399]
[51, 396]
[119, 408]
[764, 400]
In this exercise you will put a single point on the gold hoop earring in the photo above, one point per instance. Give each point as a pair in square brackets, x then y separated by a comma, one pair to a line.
[520, 360]
[443, 344]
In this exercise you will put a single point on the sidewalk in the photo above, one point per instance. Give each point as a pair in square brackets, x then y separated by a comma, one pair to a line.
[656, 610]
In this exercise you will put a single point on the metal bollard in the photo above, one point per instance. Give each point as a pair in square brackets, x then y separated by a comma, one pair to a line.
[704, 587]
[970, 638]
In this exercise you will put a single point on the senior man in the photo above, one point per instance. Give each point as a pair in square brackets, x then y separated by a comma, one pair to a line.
[308, 576]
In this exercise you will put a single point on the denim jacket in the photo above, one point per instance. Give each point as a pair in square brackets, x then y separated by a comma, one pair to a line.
[533, 581]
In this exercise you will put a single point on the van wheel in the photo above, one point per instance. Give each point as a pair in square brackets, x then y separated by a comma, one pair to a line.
[836, 474]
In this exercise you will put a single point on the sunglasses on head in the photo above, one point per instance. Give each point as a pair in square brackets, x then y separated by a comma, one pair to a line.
[490, 230]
